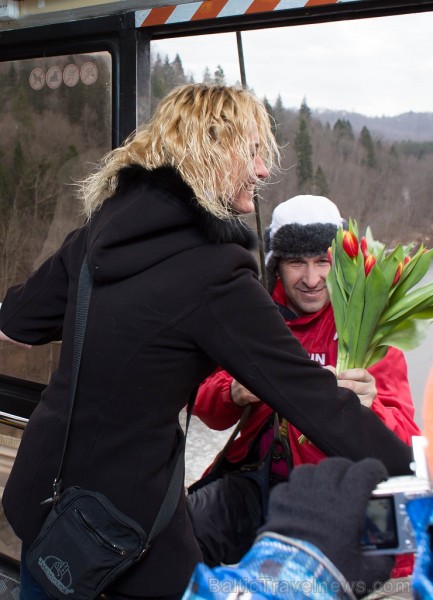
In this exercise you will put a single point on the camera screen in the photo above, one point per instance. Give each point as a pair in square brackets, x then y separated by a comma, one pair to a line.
[380, 529]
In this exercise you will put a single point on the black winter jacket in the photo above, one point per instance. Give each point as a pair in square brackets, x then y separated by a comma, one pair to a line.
[176, 293]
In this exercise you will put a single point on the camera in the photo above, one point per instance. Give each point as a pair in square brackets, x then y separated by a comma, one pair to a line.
[388, 529]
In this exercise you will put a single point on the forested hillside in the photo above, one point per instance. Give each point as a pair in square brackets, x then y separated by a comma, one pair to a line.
[417, 127]
[382, 183]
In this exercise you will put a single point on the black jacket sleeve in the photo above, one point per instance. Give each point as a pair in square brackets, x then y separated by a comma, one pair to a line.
[247, 336]
[33, 312]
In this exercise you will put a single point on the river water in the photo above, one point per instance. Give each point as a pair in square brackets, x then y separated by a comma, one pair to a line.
[204, 443]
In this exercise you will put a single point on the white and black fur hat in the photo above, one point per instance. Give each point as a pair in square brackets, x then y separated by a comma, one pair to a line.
[301, 226]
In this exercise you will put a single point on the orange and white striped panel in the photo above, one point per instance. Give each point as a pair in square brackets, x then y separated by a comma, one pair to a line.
[216, 9]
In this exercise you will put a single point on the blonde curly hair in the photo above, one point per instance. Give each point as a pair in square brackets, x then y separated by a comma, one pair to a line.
[200, 130]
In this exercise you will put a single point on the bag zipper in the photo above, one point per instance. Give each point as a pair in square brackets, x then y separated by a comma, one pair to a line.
[104, 541]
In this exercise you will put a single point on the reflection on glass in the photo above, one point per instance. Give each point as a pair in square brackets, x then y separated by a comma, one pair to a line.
[55, 122]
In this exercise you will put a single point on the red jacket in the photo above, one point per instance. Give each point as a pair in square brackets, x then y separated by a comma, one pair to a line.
[316, 332]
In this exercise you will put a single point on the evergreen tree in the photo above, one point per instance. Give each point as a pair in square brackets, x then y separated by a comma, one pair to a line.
[418, 149]
[304, 157]
[166, 75]
[344, 137]
[394, 158]
[271, 114]
[304, 111]
[321, 187]
[279, 109]
[219, 76]
[158, 83]
[207, 76]
[343, 129]
[175, 72]
[368, 144]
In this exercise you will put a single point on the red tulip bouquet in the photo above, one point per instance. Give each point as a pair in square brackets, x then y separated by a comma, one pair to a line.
[375, 297]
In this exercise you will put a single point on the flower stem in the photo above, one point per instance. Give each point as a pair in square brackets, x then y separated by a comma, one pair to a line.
[342, 361]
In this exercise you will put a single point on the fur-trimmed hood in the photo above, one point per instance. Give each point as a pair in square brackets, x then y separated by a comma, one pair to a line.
[153, 216]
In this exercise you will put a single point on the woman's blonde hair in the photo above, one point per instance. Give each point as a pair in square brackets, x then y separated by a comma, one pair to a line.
[200, 130]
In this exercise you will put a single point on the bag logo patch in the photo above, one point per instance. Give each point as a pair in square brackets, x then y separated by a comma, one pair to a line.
[57, 571]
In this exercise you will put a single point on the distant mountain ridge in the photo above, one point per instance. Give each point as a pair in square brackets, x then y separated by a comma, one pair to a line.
[407, 126]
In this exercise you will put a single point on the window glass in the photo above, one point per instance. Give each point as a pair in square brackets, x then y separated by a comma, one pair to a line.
[56, 123]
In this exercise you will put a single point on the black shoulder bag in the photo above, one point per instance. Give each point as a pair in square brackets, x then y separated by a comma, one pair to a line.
[86, 542]
[229, 503]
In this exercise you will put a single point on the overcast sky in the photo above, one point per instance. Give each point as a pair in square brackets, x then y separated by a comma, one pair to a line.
[379, 66]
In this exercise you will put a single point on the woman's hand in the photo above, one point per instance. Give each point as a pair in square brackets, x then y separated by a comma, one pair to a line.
[240, 395]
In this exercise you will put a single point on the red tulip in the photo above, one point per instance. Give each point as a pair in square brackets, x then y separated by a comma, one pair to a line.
[398, 273]
[366, 308]
[329, 255]
[369, 263]
[350, 244]
[364, 247]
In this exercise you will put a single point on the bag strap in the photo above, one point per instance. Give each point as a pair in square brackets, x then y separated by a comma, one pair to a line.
[176, 484]
[221, 455]
[85, 284]
[280, 436]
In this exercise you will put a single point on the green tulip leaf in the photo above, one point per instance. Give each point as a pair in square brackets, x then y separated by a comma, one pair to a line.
[407, 335]
[375, 356]
[338, 300]
[376, 298]
[413, 272]
[353, 316]
[427, 313]
[353, 227]
[390, 265]
[377, 248]
[346, 266]
[419, 299]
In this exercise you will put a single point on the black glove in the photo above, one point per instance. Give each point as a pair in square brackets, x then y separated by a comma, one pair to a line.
[325, 505]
